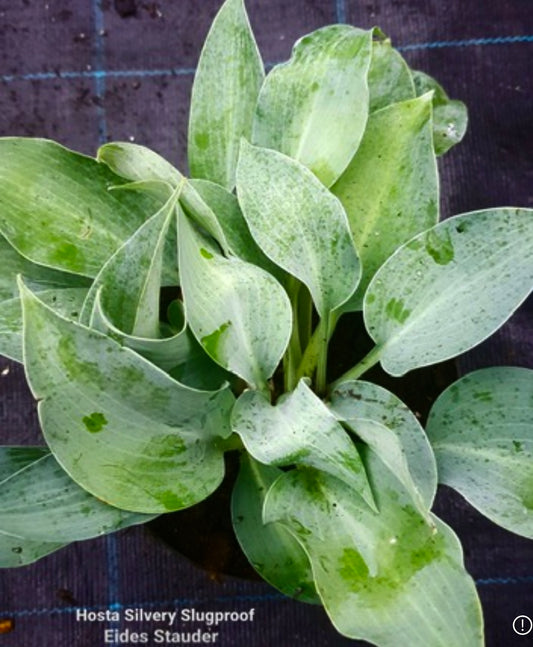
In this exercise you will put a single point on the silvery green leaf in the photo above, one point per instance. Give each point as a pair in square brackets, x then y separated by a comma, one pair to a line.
[450, 117]
[163, 351]
[122, 429]
[390, 189]
[17, 551]
[150, 173]
[299, 430]
[201, 212]
[227, 82]
[377, 570]
[450, 287]
[66, 301]
[226, 208]
[299, 224]
[176, 352]
[14, 458]
[137, 163]
[356, 401]
[160, 191]
[56, 209]
[36, 276]
[388, 447]
[389, 76]
[40, 502]
[128, 284]
[238, 312]
[314, 107]
[50, 283]
[271, 549]
[482, 433]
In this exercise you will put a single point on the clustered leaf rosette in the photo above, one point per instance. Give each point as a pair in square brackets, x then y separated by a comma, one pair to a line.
[314, 193]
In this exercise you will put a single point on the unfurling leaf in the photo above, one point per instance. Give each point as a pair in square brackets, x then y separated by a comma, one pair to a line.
[238, 312]
[299, 430]
[394, 431]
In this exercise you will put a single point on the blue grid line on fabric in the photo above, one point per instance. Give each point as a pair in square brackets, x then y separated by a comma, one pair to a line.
[340, 11]
[101, 73]
[264, 597]
[468, 42]
[98, 74]
[502, 581]
[113, 586]
[99, 65]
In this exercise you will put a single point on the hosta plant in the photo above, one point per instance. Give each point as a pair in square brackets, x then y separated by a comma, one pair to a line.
[164, 320]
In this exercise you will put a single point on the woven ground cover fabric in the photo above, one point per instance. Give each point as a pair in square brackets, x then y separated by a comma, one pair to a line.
[86, 72]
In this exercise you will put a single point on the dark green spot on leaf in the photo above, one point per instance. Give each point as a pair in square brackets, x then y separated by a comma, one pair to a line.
[95, 422]
[205, 253]
[396, 309]
[439, 246]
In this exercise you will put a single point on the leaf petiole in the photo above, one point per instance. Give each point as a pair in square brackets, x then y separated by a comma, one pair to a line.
[354, 373]
[322, 360]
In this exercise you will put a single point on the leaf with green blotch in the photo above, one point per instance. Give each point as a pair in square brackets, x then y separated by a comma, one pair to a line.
[299, 430]
[314, 107]
[299, 224]
[66, 301]
[128, 284]
[356, 400]
[238, 312]
[36, 276]
[390, 189]
[40, 502]
[150, 173]
[226, 208]
[176, 352]
[60, 290]
[450, 287]
[56, 209]
[224, 94]
[481, 431]
[389, 76]
[122, 429]
[271, 549]
[450, 117]
[373, 569]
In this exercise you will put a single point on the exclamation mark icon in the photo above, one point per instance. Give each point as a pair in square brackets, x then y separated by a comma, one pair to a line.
[522, 625]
